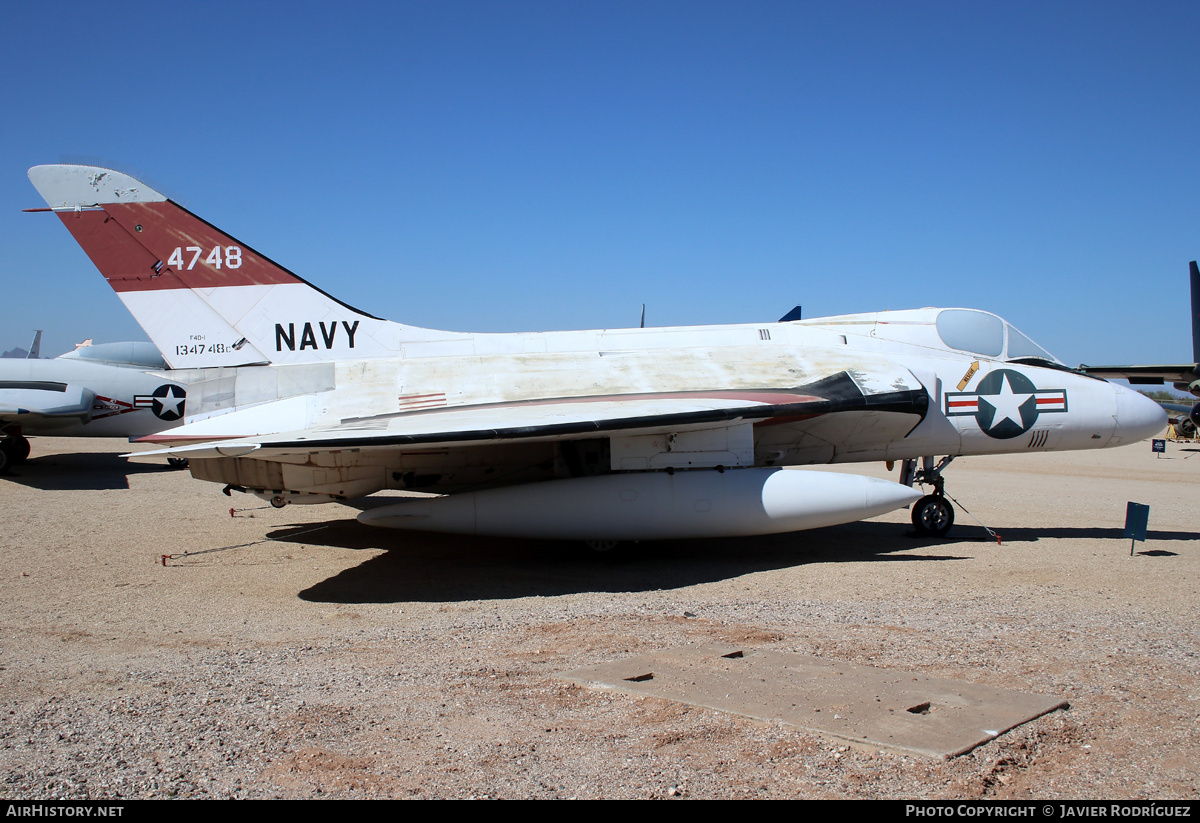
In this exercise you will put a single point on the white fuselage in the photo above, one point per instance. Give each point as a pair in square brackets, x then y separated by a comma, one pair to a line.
[977, 404]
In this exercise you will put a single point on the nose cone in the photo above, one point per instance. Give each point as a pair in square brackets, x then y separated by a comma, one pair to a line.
[1138, 417]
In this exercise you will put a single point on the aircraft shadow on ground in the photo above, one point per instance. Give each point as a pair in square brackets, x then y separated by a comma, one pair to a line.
[79, 472]
[1027, 535]
[423, 567]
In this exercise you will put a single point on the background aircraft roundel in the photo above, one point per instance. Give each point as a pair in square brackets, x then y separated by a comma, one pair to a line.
[167, 402]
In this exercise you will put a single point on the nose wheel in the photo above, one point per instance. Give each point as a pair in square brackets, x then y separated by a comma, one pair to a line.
[933, 514]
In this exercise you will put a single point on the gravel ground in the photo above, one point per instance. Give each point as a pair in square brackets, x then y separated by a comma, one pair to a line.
[294, 653]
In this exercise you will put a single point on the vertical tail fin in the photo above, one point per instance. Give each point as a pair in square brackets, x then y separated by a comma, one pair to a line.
[1195, 272]
[203, 297]
[35, 348]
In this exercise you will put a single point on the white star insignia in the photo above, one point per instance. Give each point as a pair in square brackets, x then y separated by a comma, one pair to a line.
[170, 403]
[1006, 404]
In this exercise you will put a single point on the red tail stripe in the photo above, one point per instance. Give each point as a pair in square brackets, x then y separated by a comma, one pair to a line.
[131, 244]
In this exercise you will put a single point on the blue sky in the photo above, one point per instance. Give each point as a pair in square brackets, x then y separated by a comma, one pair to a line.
[507, 166]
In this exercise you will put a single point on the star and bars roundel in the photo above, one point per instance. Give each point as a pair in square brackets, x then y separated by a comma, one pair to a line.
[166, 402]
[1006, 404]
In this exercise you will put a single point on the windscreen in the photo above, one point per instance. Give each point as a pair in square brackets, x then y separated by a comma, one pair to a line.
[1021, 346]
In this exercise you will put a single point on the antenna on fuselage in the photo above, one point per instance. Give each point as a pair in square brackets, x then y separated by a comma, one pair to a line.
[643, 324]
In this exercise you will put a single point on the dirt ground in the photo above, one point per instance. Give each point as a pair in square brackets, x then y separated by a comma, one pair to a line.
[294, 653]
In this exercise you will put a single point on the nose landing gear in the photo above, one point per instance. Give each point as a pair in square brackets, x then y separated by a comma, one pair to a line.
[933, 514]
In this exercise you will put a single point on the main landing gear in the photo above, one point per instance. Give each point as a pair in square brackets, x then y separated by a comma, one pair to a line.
[13, 450]
[933, 514]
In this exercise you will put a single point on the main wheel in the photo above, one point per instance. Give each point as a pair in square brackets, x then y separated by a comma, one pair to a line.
[932, 515]
[177, 462]
[18, 449]
[607, 551]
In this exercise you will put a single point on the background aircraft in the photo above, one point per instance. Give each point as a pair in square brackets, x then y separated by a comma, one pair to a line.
[1183, 418]
[35, 348]
[94, 391]
[1184, 376]
[600, 435]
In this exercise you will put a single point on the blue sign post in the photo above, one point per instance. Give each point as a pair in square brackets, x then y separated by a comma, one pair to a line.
[1137, 518]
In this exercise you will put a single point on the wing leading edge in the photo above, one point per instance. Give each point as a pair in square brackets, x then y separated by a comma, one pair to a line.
[558, 419]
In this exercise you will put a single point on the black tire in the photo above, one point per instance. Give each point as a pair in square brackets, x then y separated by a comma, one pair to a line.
[18, 449]
[933, 515]
[177, 462]
[604, 552]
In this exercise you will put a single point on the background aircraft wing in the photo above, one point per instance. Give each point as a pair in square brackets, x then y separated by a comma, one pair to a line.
[1147, 375]
[1185, 376]
[25, 400]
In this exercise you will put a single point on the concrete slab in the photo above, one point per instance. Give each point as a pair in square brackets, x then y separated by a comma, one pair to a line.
[884, 708]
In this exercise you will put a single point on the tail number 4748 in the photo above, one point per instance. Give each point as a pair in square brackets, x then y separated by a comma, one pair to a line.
[232, 256]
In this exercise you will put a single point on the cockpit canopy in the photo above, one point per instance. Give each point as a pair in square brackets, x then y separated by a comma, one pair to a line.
[965, 330]
[980, 332]
[138, 354]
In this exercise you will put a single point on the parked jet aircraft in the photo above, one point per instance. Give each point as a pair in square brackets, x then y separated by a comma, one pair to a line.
[600, 435]
[1181, 418]
[94, 391]
[1184, 376]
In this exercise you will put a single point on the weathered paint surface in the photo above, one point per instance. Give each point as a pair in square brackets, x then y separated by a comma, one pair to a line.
[496, 391]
